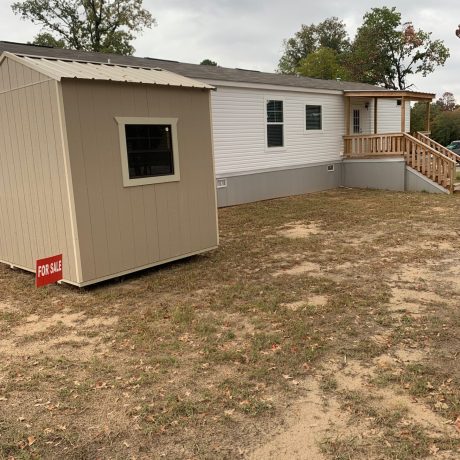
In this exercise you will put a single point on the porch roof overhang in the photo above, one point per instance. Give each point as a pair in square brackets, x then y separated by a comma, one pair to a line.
[407, 95]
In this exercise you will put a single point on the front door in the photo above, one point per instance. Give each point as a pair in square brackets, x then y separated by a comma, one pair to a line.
[356, 120]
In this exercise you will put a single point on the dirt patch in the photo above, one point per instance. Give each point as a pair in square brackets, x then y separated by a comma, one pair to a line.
[309, 421]
[6, 307]
[296, 230]
[355, 377]
[313, 300]
[34, 324]
[304, 267]
[294, 306]
[317, 300]
[36, 335]
[408, 355]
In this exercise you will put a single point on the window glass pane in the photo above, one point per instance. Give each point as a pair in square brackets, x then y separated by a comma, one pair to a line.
[275, 135]
[313, 117]
[275, 111]
[356, 121]
[149, 150]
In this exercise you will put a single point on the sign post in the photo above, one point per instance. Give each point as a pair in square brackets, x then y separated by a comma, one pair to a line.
[48, 270]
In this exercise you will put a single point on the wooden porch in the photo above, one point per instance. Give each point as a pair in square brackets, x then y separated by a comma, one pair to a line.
[419, 151]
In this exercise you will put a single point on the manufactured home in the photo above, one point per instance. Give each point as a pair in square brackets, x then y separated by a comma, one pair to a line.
[109, 165]
[279, 135]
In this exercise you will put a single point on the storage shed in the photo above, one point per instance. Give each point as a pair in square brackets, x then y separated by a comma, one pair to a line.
[109, 165]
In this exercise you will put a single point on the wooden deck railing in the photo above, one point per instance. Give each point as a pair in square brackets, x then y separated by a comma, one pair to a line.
[435, 145]
[366, 145]
[420, 156]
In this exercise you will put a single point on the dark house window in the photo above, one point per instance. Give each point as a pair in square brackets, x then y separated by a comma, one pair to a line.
[275, 122]
[150, 150]
[313, 117]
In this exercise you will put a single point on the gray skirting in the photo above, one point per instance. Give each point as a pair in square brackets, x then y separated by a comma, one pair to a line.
[381, 174]
[279, 183]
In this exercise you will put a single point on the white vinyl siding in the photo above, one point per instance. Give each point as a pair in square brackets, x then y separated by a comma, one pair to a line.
[239, 124]
[389, 113]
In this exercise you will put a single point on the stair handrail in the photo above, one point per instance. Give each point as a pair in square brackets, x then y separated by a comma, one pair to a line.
[450, 162]
[437, 146]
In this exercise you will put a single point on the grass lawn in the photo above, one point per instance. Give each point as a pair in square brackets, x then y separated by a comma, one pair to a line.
[325, 324]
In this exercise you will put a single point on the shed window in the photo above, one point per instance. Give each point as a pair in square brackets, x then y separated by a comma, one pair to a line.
[275, 123]
[313, 118]
[149, 150]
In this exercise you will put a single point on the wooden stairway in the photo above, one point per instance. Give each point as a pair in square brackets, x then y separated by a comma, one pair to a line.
[445, 151]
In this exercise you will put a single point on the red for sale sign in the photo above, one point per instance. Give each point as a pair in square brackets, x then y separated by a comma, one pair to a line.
[48, 270]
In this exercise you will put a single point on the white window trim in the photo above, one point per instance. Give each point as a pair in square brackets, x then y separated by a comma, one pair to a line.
[122, 122]
[312, 131]
[274, 149]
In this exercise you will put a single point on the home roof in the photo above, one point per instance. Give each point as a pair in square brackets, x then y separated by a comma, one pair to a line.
[195, 71]
[408, 95]
[63, 68]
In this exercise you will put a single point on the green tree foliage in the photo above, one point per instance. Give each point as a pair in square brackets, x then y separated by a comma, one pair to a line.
[446, 127]
[418, 116]
[323, 63]
[386, 52]
[46, 39]
[447, 102]
[444, 118]
[91, 25]
[208, 62]
[330, 33]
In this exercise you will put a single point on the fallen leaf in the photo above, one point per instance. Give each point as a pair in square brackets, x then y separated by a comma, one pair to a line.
[229, 412]
[441, 405]
[287, 377]
[457, 424]
[31, 440]
[433, 449]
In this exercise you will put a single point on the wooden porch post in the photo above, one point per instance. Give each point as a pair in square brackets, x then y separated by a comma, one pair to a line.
[347, 115]
[403, 114]
[375, 115]
[428, 116]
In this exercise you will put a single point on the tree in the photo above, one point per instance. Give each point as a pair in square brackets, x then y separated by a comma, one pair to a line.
[91, 25]
[446, 127]
[208, 62]
[46, 39]
[386, 52]
[447, 102]
[418, 115]
[330, 33]
[323, 63]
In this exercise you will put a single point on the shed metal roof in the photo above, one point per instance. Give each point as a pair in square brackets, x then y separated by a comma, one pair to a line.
[63, 68]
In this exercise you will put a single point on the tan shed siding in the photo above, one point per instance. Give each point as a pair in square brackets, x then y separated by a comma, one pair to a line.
[14, 75]
[123, 228]
[33, 202]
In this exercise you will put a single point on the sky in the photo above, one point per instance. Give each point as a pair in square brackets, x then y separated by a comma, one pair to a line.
[249, 33]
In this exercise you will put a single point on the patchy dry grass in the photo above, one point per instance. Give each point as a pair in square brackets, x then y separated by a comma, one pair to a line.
[325, 324]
